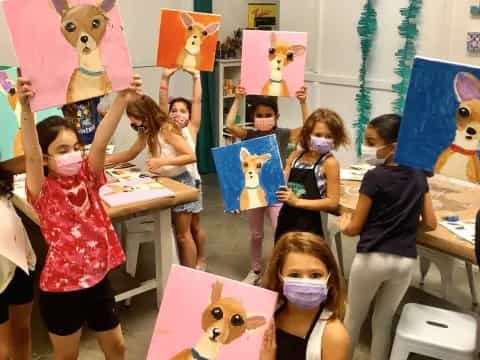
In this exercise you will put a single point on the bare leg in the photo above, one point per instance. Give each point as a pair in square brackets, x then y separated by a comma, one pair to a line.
[199, 237]
[187, 248]
[5, 340]
[112, 344]
[66, 347]
[20, 319]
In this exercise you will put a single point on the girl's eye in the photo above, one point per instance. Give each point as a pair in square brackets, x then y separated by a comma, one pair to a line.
[294, 275]
[316, 275]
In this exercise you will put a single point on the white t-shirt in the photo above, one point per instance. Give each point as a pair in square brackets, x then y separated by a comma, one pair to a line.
[192, 168]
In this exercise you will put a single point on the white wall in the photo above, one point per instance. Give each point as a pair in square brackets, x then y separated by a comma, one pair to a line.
[332, 74]
[235, 14]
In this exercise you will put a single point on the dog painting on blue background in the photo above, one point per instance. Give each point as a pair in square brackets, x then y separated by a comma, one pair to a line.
[250, 172]
[440, 130]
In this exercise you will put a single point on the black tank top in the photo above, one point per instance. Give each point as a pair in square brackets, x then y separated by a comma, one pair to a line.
[291, 347]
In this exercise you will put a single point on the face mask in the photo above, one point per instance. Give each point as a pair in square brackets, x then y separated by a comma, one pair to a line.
[305, 293]
[264, 124]
[69, 164]
[138, 128]
[369, 155]
[320, 144]
[180, 118]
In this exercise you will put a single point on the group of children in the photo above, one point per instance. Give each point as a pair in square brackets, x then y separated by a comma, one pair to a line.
[315, 318]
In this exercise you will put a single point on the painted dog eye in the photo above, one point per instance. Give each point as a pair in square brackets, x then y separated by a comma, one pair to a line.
[217, 313]
[204, 32]
[12, 91]
[271, 51]
[245, 164]
[96, 23]
[290, 56]
[237, 320]
[464, 112]
[190, 28]
[70, 27]
[259, 166]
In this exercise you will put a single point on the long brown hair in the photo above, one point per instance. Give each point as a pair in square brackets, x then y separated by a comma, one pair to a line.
[144, 108]
[311, 244]
[334, 123]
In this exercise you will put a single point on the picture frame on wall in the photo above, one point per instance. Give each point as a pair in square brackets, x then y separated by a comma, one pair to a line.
[262, 16]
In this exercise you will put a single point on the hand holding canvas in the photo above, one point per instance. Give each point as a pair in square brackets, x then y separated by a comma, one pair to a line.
[302, 95]
[25, 92]
[134, 90]
[269, 344]
[286, 195]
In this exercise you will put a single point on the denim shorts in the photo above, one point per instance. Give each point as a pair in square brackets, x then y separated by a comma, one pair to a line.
[193, 207]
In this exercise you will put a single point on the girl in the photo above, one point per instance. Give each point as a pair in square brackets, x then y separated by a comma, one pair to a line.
[62, 186]
[16, 286]
[392, 199]
[187, 116]
[308, 323]
[313, 175]
[170, 154]
[265, 119]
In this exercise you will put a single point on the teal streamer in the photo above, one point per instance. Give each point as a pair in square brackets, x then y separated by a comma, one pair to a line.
[367, 29]
[408, 30]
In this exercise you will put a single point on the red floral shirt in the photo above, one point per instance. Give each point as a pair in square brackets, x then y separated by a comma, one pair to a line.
[82, 244]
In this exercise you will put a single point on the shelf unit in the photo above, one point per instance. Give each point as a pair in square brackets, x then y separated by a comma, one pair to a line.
[224, 70]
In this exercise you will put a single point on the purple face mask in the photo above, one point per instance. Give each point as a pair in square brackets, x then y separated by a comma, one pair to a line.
[305, 293]
[320, 144]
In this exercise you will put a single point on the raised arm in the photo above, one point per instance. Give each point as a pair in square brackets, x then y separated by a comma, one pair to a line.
[164, 86]
[196, 115]
[236, 130]
[31, 145]
[302, 100]
[130, 154]
[108, 125]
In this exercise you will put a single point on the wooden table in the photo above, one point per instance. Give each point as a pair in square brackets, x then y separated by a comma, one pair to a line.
[450, 197]
[160, 210]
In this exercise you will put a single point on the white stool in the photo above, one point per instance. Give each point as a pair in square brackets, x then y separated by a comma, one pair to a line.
[436, 333]
[332, 232]
[137, 231]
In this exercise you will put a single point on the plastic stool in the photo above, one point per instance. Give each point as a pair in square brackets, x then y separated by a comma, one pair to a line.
[434, 332]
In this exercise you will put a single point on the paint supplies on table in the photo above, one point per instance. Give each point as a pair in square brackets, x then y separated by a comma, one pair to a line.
[133, 191]
[354, 172]
[465, 230]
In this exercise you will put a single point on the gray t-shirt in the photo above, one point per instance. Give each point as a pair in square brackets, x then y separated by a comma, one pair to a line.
[282, 135]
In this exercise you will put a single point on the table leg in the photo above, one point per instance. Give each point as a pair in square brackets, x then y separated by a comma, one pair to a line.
[424, 267]
[471, 283]
[165, 250]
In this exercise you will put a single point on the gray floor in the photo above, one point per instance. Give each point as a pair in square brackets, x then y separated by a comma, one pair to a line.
[228, 255]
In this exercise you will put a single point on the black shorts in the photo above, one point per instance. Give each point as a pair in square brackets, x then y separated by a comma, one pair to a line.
[18, 292]
[65, 313]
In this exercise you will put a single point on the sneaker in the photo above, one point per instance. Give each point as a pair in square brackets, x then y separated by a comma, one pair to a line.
[253, 278]
[202, 266]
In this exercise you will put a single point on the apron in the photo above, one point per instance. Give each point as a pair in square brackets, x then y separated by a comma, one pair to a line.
[303, 183]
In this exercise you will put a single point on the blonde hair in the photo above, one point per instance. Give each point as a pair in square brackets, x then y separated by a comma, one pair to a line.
[310, 244]
[334, 123]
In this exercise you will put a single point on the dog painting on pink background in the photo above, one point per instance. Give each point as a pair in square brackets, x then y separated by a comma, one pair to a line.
[71, 50]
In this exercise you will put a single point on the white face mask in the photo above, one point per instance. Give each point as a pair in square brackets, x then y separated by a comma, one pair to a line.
[369, 155]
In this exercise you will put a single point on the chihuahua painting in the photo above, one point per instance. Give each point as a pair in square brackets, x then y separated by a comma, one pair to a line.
[84, 27]
[280, 55]
[195, 34]
[253, 195]
[460, 158]
[224, 320]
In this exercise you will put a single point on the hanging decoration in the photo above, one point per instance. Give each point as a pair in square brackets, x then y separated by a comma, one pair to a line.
[408, 30]
[366, 28]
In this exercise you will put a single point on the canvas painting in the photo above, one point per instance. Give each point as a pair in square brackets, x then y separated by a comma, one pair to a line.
[71, 50]
[473, 42]
[440, 130]
[188, 40]
[132, 191]
[205, 316]
[250, 173]
[10, 112]
[273, 62]
[262, 14]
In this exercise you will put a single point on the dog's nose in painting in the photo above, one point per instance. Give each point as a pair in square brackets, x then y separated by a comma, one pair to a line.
[195, 36]
[215, 333]
[84, 39]
[471, 131]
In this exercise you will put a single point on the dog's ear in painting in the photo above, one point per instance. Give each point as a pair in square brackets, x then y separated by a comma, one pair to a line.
[244, 154]
[298, 50]
[216, 292]
[106, 5]
[212, 28]
[255, 322]
[61, 6]
[467, 87]
[187, 21]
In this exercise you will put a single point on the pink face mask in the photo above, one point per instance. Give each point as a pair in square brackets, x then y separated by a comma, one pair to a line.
[264, 124]
[181, 119]
[69, 164]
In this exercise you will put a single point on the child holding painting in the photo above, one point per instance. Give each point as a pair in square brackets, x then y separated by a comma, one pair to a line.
[265, 119]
